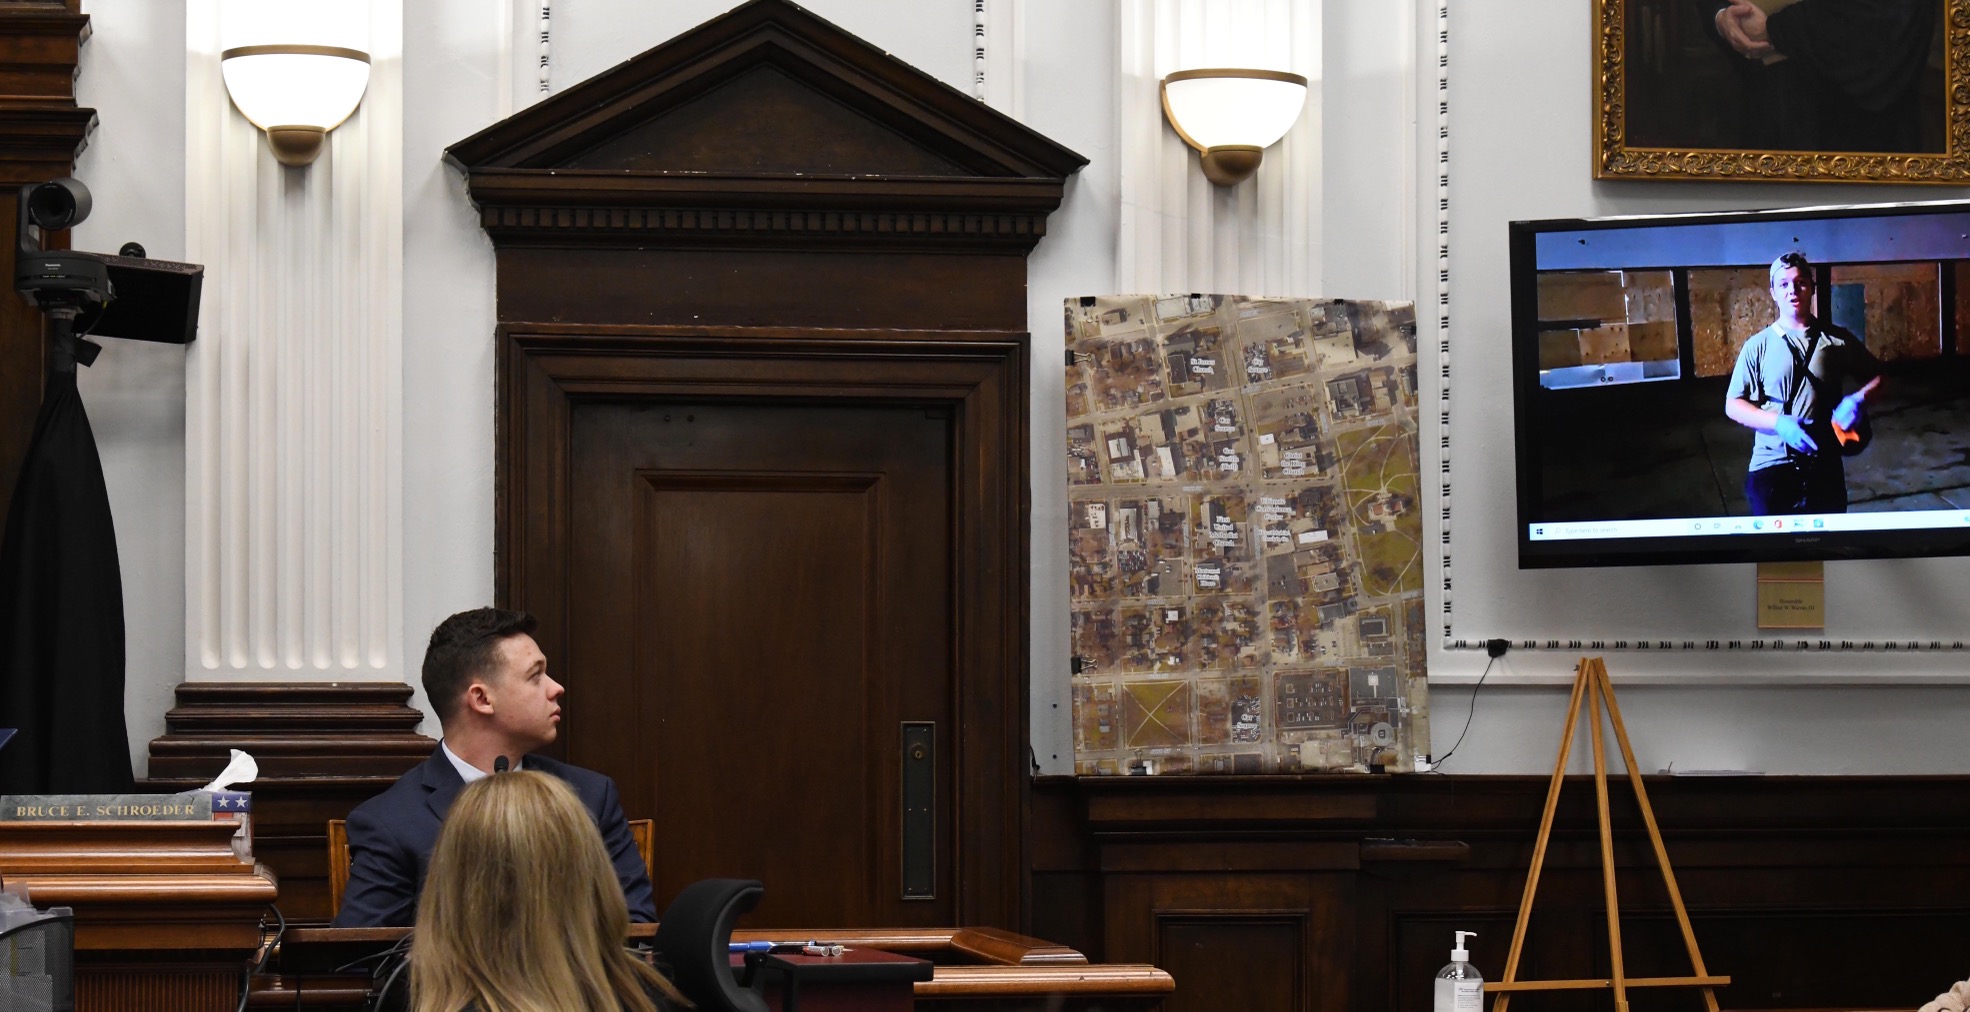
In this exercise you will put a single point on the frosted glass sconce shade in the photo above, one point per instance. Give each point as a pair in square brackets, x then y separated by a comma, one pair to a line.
[296, 93]
[1231, 115]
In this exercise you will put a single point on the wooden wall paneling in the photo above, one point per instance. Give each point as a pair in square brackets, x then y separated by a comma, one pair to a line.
[1478, 888]
[765, 288]
[290, 820]
[42, 130]
[1067, 905]
[1245, 897]
[1274, 940]
[1233, 958]
[120, 983]
[1423, 937]
[1785, 956]
[322, 749]
[1811, 892]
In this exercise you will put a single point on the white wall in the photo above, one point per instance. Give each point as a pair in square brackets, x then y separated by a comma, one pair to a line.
[133, 72]
[1070, 97]
[1521, 136]
[591, 37]
[1520, 107]
[1365, 220]
[1370, 197]
[456, 55]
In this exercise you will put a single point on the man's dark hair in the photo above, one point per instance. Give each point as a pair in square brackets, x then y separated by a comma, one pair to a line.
[1791, 258]
[463, 646]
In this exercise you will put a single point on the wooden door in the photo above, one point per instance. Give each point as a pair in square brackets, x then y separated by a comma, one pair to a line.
[659, 239]
[760, 596]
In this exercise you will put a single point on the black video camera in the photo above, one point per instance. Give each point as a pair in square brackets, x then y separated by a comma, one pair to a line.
[126, 296]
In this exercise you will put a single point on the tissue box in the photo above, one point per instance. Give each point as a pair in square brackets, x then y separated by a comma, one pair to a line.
[236, 806]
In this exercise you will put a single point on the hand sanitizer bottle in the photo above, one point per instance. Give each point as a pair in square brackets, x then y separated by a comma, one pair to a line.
[1459, 987]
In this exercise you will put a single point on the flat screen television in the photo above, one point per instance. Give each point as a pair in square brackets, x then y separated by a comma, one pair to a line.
[1631, 334]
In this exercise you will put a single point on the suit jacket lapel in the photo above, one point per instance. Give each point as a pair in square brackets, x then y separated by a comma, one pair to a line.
[441, 783]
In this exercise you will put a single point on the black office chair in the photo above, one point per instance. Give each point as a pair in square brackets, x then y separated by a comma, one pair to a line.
[694, 940]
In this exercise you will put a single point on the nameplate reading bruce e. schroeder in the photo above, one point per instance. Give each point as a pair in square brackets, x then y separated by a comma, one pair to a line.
[191, 805]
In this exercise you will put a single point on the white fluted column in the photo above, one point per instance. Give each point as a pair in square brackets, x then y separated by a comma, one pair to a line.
[1178, 232]
[293, 442]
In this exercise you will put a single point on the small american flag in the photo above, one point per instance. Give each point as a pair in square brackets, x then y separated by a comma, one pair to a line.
[231, 804]
[236, 807]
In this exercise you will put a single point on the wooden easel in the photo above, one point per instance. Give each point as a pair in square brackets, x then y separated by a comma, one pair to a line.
[1592, 685]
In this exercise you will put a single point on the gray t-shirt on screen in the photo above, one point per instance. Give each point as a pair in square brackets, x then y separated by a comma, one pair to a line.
[1768, 375]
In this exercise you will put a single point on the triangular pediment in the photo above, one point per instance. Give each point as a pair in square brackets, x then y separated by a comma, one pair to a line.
[807, 131]
[766, 89]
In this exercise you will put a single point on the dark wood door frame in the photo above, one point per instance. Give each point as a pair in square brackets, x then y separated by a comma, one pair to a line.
[981, 376]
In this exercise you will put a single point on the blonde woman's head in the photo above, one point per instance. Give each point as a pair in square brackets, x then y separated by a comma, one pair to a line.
[521, 909]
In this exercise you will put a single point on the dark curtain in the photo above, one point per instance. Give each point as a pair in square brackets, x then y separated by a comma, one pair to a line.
[61, 610]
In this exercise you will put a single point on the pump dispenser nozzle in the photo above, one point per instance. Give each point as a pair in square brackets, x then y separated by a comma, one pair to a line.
[1459, 986]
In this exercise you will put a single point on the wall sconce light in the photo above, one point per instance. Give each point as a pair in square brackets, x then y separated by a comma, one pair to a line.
[1231, 115]
[297, 93]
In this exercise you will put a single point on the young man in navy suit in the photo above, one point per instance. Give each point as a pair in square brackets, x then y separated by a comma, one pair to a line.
[488, 681]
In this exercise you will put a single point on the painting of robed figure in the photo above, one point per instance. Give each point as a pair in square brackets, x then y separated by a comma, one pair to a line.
[1806, 90]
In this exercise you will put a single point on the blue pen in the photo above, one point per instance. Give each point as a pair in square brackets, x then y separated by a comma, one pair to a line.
[752, 946]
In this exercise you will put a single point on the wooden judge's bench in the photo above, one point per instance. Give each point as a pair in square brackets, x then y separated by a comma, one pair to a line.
[168, 919]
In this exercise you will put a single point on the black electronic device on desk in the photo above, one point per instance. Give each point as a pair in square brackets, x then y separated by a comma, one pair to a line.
[837, 978]
[37, 959]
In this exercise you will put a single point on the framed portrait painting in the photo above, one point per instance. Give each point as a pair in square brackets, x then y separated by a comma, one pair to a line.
[1803, 90]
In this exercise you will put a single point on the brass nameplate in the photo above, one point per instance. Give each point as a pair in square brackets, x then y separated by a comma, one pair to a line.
[1792, 595]
[191, 805]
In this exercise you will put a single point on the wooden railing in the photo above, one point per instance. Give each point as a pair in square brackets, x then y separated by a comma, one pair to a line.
[974, 966]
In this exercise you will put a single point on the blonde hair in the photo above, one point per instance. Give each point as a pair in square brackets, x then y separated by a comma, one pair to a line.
[521, 910]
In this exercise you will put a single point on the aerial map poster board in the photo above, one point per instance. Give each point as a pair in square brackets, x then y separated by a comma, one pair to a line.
[1245, 535]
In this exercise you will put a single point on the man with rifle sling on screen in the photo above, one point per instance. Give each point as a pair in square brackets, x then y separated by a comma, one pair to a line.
[1787, 387]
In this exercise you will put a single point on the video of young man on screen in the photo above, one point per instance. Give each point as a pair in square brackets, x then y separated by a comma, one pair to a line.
[1736, 375]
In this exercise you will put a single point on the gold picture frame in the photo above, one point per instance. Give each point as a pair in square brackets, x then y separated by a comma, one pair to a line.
[1667, 110]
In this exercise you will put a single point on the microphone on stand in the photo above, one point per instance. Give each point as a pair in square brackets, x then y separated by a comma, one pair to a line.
[499, 764]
